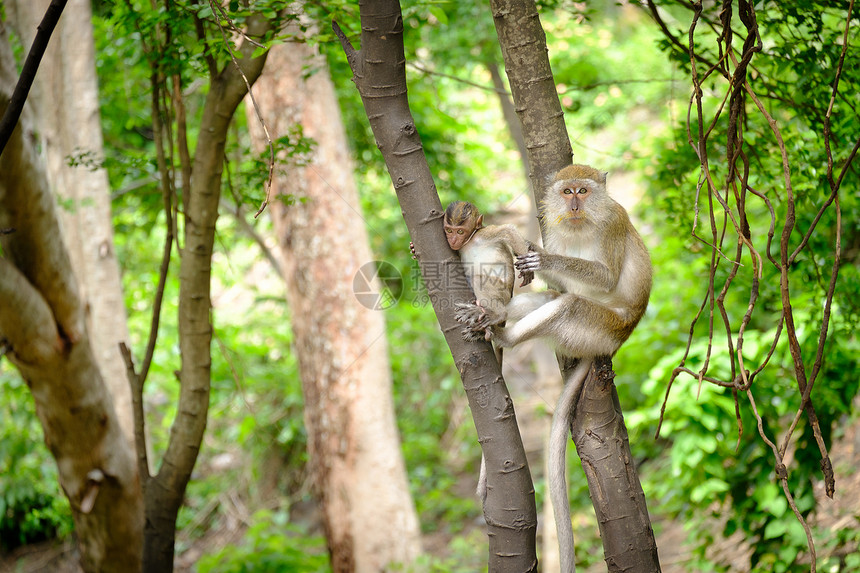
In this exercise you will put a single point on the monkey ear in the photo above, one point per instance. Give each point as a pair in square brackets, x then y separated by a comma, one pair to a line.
[603, 175]
[480, 221]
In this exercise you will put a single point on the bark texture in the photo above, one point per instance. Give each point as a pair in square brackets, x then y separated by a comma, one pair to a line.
[72, 130]
[165, 491]
[619, 502]
[524, 49]
[355, 456]
[42, 320]
[379, 74]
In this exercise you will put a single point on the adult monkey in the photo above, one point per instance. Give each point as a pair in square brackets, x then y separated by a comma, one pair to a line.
[600, 274]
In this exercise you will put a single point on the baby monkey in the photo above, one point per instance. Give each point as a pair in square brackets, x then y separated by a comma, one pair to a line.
[487, 254]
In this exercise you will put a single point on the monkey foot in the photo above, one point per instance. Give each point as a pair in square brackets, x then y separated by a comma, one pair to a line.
[472, 315]
[470, 335]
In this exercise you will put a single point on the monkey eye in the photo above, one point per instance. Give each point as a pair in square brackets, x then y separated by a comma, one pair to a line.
[460, 231]
[582, 191]
[567, 191]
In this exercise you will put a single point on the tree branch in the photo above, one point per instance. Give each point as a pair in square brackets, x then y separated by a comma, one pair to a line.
[379, 73]
[28, 72]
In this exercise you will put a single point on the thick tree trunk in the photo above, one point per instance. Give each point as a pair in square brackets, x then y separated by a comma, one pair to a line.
[42, 320]
[619, 502]
[166, 490]
[379, 73]
[358, 469]
[523, 44]
[72, 130]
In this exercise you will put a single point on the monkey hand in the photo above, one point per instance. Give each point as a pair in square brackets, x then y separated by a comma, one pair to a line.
[528, 263]
[412, 250]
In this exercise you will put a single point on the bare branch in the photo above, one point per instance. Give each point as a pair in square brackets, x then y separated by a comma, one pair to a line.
[28, 72]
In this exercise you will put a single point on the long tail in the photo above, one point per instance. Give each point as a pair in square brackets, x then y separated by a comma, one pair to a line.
[558, 467]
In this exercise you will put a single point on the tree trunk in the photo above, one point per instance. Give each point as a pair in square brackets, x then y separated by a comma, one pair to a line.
[379, 73]
[355, 457]
[523, 44]
[42, 321]
[165, 492]
[73, 130]
[612, 477]
[619, 502]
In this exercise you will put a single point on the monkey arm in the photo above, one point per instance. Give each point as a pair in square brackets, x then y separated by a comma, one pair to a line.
[511, 236]
[517, 246]
[571, 272]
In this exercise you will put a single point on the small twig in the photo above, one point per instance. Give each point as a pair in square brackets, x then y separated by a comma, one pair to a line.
[220, 9]
[782, 476]
[136, 383]
[246, 227]
[257, 111]
[464, 81]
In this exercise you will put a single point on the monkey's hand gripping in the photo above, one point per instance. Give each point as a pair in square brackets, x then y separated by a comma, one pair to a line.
[477, 319]
[528, 263]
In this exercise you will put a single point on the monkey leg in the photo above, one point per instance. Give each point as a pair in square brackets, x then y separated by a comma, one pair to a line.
[525, 303]
[577, 326]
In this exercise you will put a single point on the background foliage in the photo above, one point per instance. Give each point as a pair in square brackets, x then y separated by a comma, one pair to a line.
[624, 88]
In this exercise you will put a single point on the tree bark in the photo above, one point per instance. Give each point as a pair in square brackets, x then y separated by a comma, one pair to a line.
[42, 320]
[612, 477]
[355, 456]
[165, 492]
[73, 130]
[619, 502]
[523, 44]
[379, 74]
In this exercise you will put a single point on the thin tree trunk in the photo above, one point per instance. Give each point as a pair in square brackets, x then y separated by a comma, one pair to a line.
[359, 474]
[379, 73]
[165, 492]
[619, 502]
[42, 321]
[73, 131]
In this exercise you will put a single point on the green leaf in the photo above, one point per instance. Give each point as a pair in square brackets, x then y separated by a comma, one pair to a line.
[775, 528]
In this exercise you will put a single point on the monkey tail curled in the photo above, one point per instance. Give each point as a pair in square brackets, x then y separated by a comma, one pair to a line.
[558, 464]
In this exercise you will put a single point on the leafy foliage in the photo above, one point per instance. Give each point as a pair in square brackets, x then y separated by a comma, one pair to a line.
[270, 545]
[32, 507]
[619, 95]
[716, 475]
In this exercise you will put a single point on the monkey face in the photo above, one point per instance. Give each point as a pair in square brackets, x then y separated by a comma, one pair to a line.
[573, 200]
[575, 197]
[458, 235]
